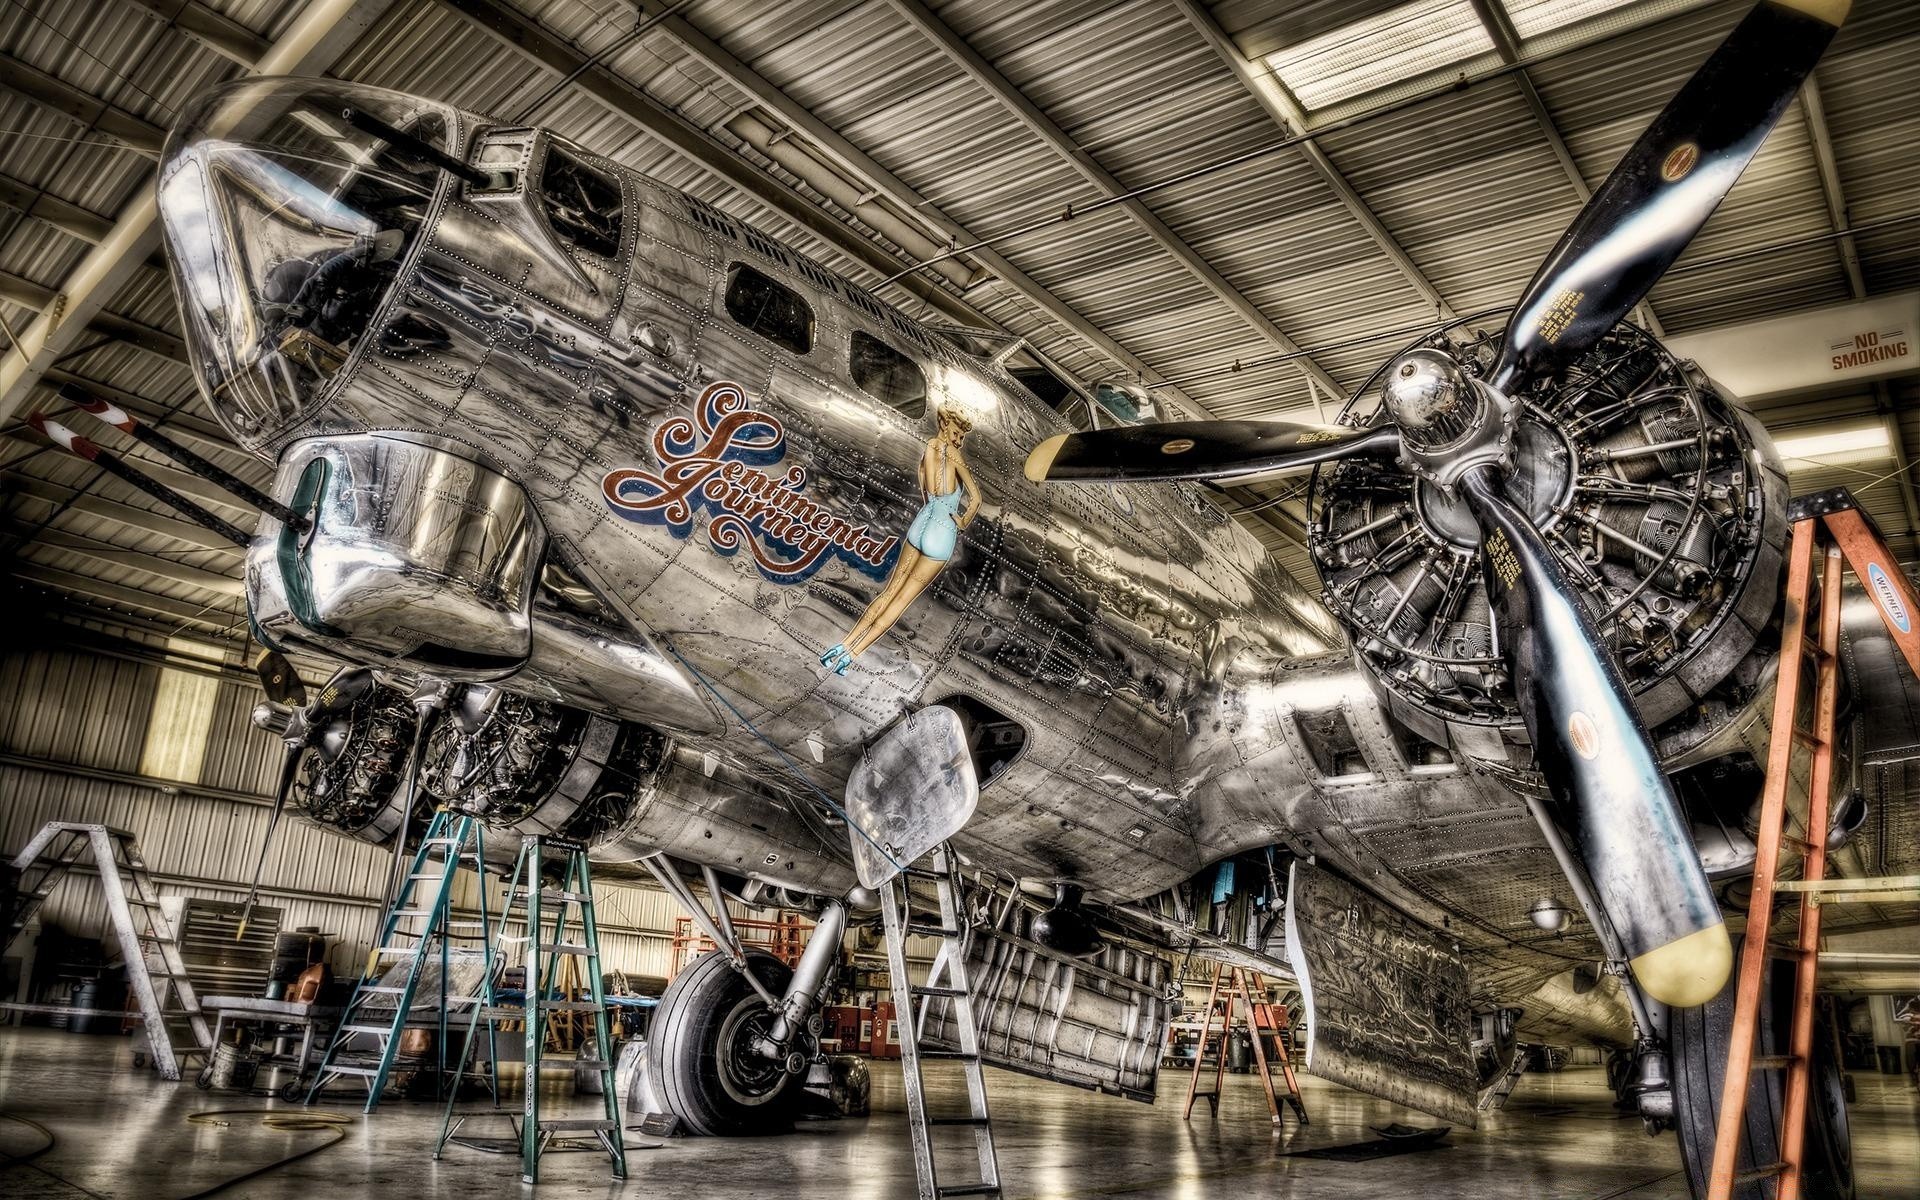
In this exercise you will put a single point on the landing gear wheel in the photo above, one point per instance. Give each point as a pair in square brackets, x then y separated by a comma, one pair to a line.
[1698, 1038]
[701, 1056]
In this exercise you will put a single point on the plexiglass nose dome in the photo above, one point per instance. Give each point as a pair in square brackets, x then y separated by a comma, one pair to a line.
[288, 208]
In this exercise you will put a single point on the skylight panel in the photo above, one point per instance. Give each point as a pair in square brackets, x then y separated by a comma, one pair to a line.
[1391, 48]
[1532, 18]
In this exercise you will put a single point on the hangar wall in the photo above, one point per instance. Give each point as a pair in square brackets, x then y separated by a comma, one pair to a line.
[73, 724]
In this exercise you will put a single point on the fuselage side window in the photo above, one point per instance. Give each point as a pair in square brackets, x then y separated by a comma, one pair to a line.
[582, 202]
[886, 374]
[770, 309]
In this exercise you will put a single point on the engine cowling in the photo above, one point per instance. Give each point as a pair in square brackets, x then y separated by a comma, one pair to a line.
[1662, 498]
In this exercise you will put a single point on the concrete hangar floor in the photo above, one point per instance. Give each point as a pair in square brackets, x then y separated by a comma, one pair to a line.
[120, 1133]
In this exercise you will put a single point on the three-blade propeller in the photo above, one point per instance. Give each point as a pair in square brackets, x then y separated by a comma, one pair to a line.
[1611, 801]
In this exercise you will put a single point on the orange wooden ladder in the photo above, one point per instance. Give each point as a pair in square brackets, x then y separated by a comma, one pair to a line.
[1834, 521]
[1235, 978]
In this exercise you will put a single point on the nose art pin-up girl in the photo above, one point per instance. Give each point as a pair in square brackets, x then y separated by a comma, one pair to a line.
[952, 500]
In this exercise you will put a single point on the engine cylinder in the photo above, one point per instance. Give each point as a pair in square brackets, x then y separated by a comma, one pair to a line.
[1659, 496]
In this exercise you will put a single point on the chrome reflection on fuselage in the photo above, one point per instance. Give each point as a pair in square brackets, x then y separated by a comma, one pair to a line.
[546, 326]
[285, 225]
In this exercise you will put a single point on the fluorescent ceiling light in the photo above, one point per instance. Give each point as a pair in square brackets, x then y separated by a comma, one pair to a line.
[1832, 447]
[1393, 47]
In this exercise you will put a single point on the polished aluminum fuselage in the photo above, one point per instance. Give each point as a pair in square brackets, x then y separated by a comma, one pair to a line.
[1153, 651]
[1182, 698]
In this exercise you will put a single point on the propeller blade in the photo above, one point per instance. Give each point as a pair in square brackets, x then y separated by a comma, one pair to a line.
[289, 769]
[279, 680]
[1611, 800]
[1666, 186]
[1199, 450]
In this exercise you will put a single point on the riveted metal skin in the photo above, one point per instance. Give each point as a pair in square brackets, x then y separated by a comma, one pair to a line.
[1179, 698]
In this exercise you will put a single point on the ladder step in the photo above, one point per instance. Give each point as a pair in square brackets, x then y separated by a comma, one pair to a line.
[939, 931]
[565, 948]
[428, 875]
[948, 1055]
[1759, 1173]
[381, 1030]
[923, 873]
[1808, 739]
[958, 1121]
[338, 1069]
[565, 898]
[568, 1006]
[581, 1123]
[969, 1189]
[929, 990]
[1774, 1062]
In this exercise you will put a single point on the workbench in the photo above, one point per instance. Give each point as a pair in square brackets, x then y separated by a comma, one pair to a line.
[276, 1019]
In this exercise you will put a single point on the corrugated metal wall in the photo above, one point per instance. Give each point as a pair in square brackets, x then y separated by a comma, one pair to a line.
[71, 729]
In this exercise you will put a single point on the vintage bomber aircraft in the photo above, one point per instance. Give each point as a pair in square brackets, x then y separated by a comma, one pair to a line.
[653, 532]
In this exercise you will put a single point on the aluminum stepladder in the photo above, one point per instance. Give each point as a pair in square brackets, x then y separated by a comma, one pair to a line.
[124, 881]
[545, 940]
[1832, 523]
[896, 912]
[1235, 980]
[453, 841]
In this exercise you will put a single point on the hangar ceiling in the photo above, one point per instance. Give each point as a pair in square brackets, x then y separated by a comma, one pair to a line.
[1252, 203]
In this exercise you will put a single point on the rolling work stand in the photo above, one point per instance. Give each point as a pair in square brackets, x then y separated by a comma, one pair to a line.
[368, 1041]
[1832, 523]
[1229, 980]
[173, 1033]
[569, 890]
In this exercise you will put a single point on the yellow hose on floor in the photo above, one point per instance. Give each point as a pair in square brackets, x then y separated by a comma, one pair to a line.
[280, 1120]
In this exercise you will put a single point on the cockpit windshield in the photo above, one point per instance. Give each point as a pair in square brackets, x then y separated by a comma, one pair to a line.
[289, 206]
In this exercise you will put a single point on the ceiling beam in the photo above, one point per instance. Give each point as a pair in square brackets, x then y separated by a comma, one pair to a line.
[313, 42]
[1506, 42]
[175, 420]
[215, 30]
[109, 554]
[68, 218]
[1286, 112]
[185, 482]
[93, 505]
[986, 76]
[1813, 108]
[627, 100]
[79, 106]
[122, 595]
[15, 289]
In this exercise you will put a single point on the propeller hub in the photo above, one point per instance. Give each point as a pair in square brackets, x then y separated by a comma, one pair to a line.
[1449, 421]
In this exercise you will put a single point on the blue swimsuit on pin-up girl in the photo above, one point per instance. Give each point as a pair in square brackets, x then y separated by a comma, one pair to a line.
[935, 533]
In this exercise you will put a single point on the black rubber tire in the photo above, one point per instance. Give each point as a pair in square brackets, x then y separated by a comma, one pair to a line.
[1698, 1040]
[705, 1003]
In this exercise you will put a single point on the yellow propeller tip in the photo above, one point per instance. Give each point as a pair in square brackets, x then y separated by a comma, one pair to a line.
[1688, 971]
[1041, 460]
[1833, 12]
